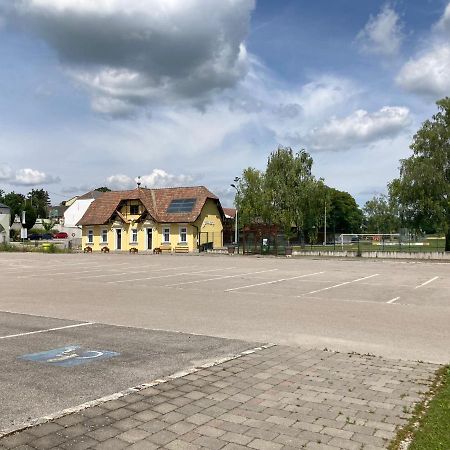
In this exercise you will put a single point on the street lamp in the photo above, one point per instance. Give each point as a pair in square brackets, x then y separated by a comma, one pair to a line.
[236, 232]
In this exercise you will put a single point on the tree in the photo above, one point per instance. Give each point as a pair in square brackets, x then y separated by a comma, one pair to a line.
[103, 189]
[290, 188]
[48, 226]
[40, 200]
[251, 198]
[381, 215]
[423, 187]
[15, 202]
[345, 215]
[30, 216]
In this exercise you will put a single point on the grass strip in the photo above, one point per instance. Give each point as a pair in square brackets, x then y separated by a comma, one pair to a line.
[429, 426]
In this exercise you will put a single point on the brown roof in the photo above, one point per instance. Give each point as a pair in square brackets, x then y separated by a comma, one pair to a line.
[230, 212]
[155, 202]
[90, 194]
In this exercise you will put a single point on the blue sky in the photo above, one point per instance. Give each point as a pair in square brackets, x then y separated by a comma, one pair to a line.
[186, 92]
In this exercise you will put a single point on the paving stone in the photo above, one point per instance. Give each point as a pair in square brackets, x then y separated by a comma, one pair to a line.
[104, 433]
[209, 442]
[134, 435]
[162, 437]
[43, 430]
[261, 444]
[48, 441]
[127, 424]
[14, 440]
[279, 397]
[112, 444]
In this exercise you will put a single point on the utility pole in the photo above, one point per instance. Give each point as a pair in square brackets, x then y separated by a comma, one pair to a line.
[236, 225]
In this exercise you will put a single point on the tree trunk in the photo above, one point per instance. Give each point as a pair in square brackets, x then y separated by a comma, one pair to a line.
[447, 240]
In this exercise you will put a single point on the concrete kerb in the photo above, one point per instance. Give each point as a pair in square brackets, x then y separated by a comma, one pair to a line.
[131, 390]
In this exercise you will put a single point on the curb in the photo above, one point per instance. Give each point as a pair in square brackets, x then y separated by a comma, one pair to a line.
[180, 374]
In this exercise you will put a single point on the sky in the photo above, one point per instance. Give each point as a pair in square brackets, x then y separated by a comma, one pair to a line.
[191, 92]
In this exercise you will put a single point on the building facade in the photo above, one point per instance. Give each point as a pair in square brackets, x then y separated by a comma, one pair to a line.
[5, 220]
[170, 219]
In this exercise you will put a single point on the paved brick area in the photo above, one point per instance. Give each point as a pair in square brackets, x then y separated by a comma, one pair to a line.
[277, 398]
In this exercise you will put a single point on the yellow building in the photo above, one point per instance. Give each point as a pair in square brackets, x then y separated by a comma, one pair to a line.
[170, 219]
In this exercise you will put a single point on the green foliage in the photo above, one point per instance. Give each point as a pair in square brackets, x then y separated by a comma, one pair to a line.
[40, 200]
[423, 188]
[103, 189]
[344, 213]
[291, 189]
[286, 194]
[15, 202]
[30, 216]
[251, 198]
[48, 226]
[381, 215]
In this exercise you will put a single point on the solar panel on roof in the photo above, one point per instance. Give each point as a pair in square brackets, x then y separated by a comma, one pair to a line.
[181, 205]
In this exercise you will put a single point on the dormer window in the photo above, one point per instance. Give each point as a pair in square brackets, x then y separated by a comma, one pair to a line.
[134, 210]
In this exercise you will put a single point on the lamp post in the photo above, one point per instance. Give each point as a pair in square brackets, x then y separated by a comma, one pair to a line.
[236, 232]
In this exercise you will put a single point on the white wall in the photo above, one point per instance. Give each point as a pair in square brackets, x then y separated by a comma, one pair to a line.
[4, 234]
[75, 212]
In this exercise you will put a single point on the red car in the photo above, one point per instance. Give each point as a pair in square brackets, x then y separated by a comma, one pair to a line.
[61, 235]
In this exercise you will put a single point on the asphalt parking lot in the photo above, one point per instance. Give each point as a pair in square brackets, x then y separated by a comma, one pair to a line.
[111, 322]
[389, 308]
[50, 365]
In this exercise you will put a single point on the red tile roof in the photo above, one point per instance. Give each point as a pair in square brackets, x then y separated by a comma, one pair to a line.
[230, 212]
[155, 202]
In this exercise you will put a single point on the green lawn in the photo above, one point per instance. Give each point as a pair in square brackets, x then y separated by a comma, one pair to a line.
[433, 430]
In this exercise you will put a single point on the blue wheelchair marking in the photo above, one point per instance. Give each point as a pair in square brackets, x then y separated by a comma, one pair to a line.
[72, 355]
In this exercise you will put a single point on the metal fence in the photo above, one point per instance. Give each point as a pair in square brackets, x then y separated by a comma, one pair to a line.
[378, 243]
[278, 245]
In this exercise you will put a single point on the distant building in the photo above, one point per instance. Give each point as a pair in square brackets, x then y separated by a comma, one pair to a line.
[76, 210]
[5, 219]
[229, 225]
[181, 219]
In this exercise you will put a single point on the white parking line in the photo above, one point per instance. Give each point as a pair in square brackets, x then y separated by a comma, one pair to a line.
[273, 282]
[171, 275]
[426, 282]
[131, 272]
[219, 278]
[338, 285]
[47, 330]
[50, 274]
[393, 300]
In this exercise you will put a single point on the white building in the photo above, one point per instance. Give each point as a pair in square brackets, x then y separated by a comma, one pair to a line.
[5, 217]
[75, 212]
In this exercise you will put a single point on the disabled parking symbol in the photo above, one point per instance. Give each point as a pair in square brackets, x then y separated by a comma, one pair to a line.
[69, 356]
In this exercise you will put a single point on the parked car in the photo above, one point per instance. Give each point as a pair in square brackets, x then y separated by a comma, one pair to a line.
[34, 237]
[61, 235]
[47, 236]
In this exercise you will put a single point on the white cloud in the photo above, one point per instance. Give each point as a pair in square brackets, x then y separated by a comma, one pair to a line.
[382, 34]
[25, 177]
[5, 172]
[156, 179]
[32, 177]
[132, 53]
[360, 127]
[120, 182]
[429, 73]
[444, 23]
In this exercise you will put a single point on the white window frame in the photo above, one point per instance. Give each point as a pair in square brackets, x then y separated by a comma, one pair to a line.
[134, 233]
[163, 235]
[90, 236]
[104, 236]
[180, 240]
